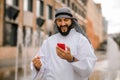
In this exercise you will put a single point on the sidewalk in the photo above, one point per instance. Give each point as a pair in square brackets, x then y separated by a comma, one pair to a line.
[100, 66]
[100, 71]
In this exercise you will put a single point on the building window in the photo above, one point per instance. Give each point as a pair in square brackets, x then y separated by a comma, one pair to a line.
[50, 13]
[24, 33]
[41, 8]
[63, 1]
[16, 2]
[25, 5]
[75, 9]
[79, 12]
[10, 34]
[73, 6]
[28, 4]
[84, 2]
[68, 3]
[83, 15]
[12, 2]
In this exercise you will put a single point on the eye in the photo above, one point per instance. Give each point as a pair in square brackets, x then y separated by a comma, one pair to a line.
[58, 20]
[66, 19]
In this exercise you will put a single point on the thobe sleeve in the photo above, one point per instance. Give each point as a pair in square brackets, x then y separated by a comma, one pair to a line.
[86, 59]
[42, 53]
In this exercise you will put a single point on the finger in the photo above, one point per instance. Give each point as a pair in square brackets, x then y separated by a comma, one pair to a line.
[38, 57]
[58, 48]
[68, 48]
[58, 51]
[61, 56]
[38, 65]
[35, 59]
[36, 62]
[61, 50]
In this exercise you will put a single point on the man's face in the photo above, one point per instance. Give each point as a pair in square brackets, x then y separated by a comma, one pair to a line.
[64, 25]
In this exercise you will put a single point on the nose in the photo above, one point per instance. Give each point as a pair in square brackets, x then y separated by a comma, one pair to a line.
[62, 22]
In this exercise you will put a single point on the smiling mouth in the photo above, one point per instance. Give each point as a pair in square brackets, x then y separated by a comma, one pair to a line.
[64, 29]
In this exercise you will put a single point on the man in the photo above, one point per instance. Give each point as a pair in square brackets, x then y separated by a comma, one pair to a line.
[74, 62]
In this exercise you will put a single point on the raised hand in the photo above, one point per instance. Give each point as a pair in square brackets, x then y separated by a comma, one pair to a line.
[37, 63]
[64, 54]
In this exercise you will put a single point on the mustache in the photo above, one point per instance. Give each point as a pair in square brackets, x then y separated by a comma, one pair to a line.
[63, 26]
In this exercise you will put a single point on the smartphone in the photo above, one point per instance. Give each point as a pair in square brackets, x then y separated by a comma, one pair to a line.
[61, 45]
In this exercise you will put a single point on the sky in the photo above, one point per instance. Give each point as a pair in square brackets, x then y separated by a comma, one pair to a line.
[111, 11]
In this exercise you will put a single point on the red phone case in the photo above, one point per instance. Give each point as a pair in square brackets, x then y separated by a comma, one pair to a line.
[61, 45]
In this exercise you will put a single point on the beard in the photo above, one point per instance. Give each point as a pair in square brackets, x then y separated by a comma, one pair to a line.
[65, 33]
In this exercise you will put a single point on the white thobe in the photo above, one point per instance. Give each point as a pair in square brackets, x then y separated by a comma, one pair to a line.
[55, 68]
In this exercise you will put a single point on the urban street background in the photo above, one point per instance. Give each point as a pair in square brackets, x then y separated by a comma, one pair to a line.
[25, 24]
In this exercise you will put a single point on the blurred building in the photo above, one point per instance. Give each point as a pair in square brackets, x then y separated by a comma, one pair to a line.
[94, 26]
[22, 19]
[38, 15]
[28, 22]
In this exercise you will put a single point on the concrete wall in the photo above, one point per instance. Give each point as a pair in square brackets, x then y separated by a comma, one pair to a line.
[7, 52]
[28, 19]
